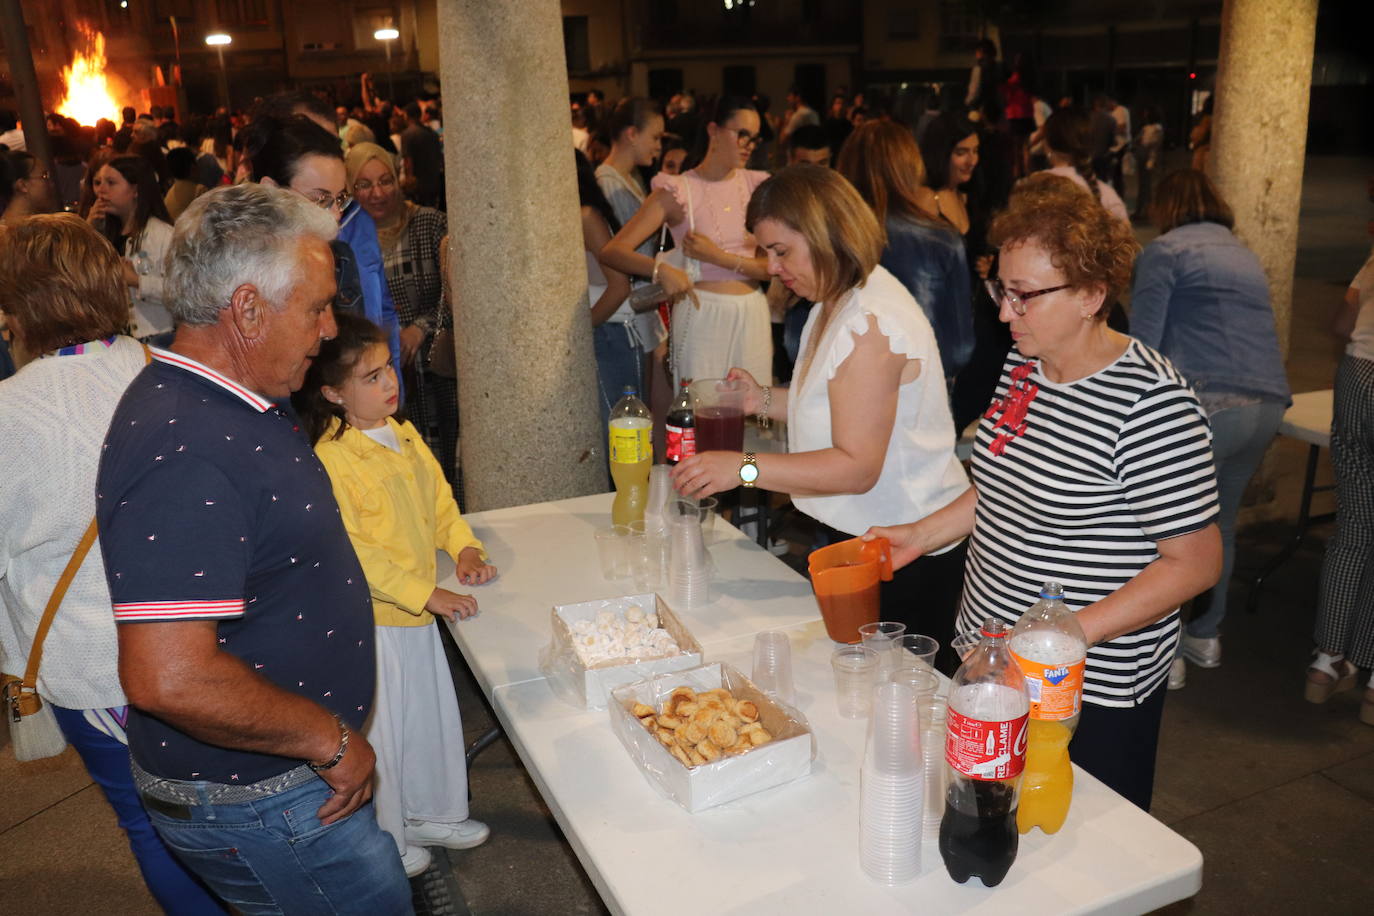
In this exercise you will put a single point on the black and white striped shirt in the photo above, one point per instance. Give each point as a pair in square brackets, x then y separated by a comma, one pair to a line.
[1103, 469]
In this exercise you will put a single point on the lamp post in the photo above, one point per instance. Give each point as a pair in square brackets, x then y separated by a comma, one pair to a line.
[386, 37]
[218, 40]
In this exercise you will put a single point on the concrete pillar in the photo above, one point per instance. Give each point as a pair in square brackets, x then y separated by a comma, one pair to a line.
[526, 373]
[1259, 131]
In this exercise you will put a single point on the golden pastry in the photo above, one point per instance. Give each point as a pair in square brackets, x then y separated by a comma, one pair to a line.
[649, 722]
[686, 708]
[746, 710]
[722, 735]
[670, 721]
[665, 737]
[708, 750]
[694, 733]
[759, 736]
[681, 755]
[641, 710]
[696, 758]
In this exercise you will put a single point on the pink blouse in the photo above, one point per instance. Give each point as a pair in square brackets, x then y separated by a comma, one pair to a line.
[717, 210]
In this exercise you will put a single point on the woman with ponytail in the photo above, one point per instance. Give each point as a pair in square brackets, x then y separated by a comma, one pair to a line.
[1066, 141]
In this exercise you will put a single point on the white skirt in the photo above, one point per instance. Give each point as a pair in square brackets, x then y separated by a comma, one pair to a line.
[417, 733]
[729, 330]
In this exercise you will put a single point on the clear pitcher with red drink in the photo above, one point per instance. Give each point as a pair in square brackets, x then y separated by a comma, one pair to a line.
[719, 414]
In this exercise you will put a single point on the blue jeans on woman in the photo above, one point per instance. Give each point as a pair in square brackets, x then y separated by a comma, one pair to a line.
[273, 856]
[619, 362]
[176, 890]
[1240, 437]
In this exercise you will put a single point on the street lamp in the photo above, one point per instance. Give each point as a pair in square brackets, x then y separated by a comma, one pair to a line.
[218, 40]
[387, 36]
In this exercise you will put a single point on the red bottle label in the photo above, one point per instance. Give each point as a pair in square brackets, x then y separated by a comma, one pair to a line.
[681, 443]
[985, 750]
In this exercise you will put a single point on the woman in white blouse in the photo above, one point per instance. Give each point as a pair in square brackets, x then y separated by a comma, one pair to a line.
[129, 211]
[869, 428]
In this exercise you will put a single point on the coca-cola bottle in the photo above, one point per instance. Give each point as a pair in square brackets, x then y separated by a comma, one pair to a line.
[682, 426]
[985, 752]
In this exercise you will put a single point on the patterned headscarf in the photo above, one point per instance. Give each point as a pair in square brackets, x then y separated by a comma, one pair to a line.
[361, 154]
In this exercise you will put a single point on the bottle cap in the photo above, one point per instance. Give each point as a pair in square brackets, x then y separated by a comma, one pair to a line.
[1052, 590]
[994, 628]
[630, 390]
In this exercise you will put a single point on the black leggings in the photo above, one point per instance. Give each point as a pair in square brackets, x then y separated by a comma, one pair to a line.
[1118, 745]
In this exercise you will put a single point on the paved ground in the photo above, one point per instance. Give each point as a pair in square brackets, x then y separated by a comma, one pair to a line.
[1278, 794]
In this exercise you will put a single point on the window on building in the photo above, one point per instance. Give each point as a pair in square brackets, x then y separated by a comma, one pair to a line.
[576, 44]
[960, 27]
[738, 80]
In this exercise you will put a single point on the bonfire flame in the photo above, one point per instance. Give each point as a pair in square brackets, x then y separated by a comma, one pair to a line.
[88, 97]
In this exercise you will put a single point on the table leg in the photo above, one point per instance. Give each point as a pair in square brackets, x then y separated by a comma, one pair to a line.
[486, 740]
[1305, 520]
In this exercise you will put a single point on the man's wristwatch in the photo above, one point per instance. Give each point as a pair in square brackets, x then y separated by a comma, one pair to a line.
[748, 470]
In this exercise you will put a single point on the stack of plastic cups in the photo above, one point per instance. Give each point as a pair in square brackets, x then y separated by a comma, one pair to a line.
[689, 570]
[773, 665]
[932, 712]
[655, 506]
[892, 788]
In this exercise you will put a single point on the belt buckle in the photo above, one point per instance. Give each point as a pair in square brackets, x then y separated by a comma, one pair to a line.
[167, 809]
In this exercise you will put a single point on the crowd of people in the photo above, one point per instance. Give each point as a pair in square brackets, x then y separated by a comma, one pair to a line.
[235, 354]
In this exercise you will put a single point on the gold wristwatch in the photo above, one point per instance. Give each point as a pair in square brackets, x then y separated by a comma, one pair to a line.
[748, 470]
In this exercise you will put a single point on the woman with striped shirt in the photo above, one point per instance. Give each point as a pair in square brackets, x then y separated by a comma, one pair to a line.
[1093, 468]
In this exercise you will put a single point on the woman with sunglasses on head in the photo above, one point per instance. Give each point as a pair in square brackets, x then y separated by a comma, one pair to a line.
[128, 210]
[1092, 468]
[720, 318]
[297, 154]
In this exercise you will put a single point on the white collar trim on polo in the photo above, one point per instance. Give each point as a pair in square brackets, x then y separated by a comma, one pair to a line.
[256, 401]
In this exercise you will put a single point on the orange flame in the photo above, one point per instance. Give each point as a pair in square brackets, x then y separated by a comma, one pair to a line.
[88, 97]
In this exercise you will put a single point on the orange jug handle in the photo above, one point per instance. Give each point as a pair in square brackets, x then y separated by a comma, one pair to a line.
[880, 549]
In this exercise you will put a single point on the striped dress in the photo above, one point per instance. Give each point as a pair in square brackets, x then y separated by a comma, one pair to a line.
[1077, 483]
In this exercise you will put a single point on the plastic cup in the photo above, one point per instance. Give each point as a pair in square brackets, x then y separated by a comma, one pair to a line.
[894, 731]
[689, 570]
[922, 680]
[645, 554]
[855, 669]
[915, 649]
[882, 637]
[719, 414]
[963, 643]
[611, 544]
[773, 665]
[660, 490]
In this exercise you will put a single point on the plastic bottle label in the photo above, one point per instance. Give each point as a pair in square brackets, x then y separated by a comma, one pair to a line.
[985, 750]
[631, 445]
[1055, 691]
[681, 443]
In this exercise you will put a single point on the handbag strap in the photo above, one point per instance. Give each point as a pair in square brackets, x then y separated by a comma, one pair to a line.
[64, 582]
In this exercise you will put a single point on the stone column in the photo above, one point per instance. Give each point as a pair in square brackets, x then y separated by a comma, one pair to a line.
[1259, 131]
[526, 373]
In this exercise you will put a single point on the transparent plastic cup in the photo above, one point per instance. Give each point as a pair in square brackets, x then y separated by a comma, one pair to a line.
[611, 546]
[882, 638]
[915, 649]
[856, 668]
[922, 680]
[660, 492]
[964, 643]
[894, 731]
[773, 665]
[645, 556]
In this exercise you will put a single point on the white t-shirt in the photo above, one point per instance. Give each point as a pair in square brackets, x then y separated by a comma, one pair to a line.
[1361, 344]
[384, 435]
[920, 472]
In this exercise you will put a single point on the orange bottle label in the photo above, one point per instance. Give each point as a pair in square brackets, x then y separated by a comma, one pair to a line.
[1056, 691]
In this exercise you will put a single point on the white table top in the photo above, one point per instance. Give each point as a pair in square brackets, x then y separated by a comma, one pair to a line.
[1309, 419]
[794, 849]
[547, 556]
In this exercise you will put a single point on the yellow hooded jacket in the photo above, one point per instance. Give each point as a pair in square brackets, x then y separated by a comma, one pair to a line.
[398, 510]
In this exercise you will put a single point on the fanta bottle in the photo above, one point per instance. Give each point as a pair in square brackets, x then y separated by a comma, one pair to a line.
[1049, 646]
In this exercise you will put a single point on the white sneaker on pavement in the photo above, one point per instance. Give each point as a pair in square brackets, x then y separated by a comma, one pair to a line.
[463, 835]
[1203, 651]
[415, 860]
[1178, 674]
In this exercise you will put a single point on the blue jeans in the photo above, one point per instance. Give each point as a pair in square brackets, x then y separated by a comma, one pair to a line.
[176, 890]
[619, 362]
[272, 856]
[1240, 437]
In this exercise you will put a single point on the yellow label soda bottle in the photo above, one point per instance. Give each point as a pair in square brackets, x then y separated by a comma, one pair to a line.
[631, 451]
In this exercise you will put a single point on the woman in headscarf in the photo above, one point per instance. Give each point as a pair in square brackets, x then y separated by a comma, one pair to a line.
[412, 238]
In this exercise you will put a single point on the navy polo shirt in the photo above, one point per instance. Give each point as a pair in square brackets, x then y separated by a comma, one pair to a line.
[213, 506]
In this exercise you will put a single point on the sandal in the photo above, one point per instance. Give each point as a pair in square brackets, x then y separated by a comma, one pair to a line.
[1337, 674]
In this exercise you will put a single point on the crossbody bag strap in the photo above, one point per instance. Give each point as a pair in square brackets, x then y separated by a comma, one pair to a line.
[64, 582]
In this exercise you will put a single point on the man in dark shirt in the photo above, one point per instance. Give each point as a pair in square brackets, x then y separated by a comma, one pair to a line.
[125, 135]
[245, 621]
[423, 153]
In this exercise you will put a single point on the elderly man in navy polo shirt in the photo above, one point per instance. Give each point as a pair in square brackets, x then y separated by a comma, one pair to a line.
[245, 623]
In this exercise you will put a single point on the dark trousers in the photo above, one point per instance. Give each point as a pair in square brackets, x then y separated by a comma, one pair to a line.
[925, 596]
[1118, 746]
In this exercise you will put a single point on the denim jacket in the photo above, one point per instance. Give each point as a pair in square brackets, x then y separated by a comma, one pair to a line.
[1200, 298]
[929, 261]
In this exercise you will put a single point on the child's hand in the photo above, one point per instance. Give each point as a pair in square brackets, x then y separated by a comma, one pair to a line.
[471, 568]
[446, 603]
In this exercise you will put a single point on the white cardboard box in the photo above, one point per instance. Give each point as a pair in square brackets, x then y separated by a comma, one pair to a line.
[787, 757]
[589, 687]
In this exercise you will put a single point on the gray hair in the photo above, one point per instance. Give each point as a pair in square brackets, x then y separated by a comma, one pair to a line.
[235, 235]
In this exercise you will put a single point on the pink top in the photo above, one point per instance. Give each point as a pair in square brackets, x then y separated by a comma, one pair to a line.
[717, 210]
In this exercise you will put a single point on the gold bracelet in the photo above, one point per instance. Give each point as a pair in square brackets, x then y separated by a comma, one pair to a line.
[767, 403]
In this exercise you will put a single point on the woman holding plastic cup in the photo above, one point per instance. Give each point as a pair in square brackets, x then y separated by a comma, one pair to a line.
[1093, 468]
[868, 423]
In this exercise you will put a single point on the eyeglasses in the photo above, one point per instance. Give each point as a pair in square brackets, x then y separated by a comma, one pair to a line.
[745, 140]
[328, 202]
[1014, 298]
[363, 186]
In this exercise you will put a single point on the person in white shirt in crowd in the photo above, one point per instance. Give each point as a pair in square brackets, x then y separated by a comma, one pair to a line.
[130, 212]
[1067, 140]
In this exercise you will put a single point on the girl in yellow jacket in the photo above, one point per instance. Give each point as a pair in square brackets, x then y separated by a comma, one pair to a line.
[399, 510]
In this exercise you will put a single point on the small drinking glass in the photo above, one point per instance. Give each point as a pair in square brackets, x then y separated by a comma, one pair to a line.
[856, 668]
[611, 546]
[914, 649]
[882, 638]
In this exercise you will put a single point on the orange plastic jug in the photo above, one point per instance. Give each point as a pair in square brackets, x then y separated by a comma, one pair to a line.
[845, 578]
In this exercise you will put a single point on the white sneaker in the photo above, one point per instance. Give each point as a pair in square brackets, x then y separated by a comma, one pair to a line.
[1203, 651]
[463, 835]
[415, 860]
[1178, 674]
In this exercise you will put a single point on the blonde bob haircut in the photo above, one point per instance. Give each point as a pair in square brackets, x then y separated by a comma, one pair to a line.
[62, 282]
[845, 238]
